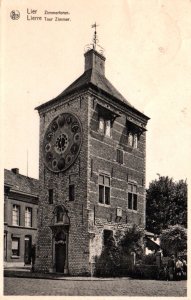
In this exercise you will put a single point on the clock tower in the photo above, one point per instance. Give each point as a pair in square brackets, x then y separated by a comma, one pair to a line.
[92, 170]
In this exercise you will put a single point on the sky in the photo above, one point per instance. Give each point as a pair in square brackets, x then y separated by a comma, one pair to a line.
[147, 45]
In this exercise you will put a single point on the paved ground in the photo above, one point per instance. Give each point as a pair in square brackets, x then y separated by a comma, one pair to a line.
[88, 287]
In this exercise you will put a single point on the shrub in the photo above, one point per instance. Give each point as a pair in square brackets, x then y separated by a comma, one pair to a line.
[107, 264]
[149, 259]
[146, 271]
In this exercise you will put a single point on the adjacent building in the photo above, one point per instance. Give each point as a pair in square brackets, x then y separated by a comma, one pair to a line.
[91, 168]
[20, 217]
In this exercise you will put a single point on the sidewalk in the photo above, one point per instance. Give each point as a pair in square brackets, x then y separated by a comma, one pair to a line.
[26, 273]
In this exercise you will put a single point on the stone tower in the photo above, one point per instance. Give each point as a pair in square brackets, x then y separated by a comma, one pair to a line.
[92, 170]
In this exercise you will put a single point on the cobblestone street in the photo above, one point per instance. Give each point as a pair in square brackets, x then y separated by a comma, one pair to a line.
[107, 287]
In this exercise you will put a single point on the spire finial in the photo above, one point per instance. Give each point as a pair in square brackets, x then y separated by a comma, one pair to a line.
[95, 40]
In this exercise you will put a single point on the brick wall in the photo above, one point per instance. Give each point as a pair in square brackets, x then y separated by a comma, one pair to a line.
[102, 159]
[88, 218]
[78, 242]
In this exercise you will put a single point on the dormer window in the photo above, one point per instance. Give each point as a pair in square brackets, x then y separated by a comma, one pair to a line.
[105, 126]
[133, 140]
[106, 117]
[134, 131]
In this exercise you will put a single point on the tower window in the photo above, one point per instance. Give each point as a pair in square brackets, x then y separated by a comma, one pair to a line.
[132, 196]
[119, 156]
[105, 126]
[71, 192]
[133, 140]
[50, 196]
[104, 189]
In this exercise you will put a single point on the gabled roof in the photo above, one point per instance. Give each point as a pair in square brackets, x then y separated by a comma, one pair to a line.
[21, 183]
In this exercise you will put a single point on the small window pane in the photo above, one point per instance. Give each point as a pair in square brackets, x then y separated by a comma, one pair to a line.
[135, 141]
[101, 124]
[130, 200]
[108, 128]
[28, 217]
[15, 246]
[59, 215]
[130, 139]
[134, 189]
[130, 187]
[135, 202]
[119, 156]
[16, 215]
[101, 194]
[50, 196]
[107, 181]
[71, 192]
[101, 179]
[107, 195]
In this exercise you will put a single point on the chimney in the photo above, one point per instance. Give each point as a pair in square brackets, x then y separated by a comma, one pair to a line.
[94, 60]
[15, 170]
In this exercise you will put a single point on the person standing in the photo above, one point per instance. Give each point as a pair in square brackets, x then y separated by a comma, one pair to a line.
[171, 267]
[184, 268]
[33, 257]
[179, 268]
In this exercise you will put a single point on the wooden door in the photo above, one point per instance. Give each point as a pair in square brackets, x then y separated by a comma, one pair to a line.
[60, 256]
[27, 255]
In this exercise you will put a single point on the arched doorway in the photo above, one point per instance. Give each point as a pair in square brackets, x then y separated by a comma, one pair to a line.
[60, 230]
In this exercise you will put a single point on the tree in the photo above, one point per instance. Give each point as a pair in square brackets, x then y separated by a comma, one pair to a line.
[131, 241]
[174, 239]
[166, 204]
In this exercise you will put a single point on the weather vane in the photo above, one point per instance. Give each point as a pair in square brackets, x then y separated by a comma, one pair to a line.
[95, 39]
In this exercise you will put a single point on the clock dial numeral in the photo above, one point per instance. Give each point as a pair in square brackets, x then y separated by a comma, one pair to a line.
[61, 164]
[49, 136]
[49, 156]
[76, 137]
[74, 149]
[54, 126]
[61, 120]
[69, 119]
[68, 159]
[54, 163]
[47, 147]
[75, 127]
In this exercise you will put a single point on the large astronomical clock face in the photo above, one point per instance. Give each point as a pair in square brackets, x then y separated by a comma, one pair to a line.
[62, 142]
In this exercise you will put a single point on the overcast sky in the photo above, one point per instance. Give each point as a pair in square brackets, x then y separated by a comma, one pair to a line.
[148, 59]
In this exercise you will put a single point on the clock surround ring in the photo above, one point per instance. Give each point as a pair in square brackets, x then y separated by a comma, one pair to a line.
[62, 142]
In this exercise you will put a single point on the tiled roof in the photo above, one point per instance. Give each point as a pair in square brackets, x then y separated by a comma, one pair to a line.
[91, 78]
[96, 79]
[21, 183]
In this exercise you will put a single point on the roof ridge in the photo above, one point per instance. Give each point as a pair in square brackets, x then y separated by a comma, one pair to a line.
[29, 177]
